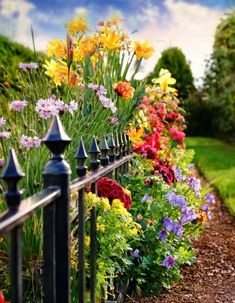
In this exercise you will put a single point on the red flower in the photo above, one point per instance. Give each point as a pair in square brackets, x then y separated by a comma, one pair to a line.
[177, 135]
[165, 171]
[109, 188]
[150, 147]
[2, 299]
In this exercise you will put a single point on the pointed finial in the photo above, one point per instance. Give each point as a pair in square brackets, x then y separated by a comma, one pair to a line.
[104, 159]
[94, 151]
[81, 156]
[56, 139]
[11, 175]
[111, 146]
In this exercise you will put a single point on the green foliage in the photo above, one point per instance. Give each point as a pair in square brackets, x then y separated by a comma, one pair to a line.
[12, 54]
[217, 162]
[174, 60]
[220, 78]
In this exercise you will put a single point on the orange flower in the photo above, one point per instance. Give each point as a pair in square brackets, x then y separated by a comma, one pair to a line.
[124, 90]
[136, 135]
[143, 50]
[201, 217]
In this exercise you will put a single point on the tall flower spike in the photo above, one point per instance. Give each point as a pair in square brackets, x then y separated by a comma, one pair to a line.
[56, 139]
[11, 175]
[118, 155]
[104, 159]
[81, 156]
[112, 146]
[94, 151]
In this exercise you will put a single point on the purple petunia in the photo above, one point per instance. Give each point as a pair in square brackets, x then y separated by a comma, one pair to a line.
[114, 121]
[136, 253]
[209, 198]
[146, 198]
[188, 216]
[178, 229]
[179, 176]
[168, 262]
[162, 235]
[195, 184]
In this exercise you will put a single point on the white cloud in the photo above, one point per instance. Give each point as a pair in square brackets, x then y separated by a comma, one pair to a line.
[188, 26]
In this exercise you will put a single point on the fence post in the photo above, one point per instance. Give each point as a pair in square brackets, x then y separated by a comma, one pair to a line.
[57, 173]
[11, 175]
[94, 151]
[81, 171]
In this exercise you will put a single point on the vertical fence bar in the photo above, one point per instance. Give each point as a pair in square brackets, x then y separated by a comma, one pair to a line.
[81, 156]
[57, 172]
[125, 166]
[104, 159]
[94, 151]
[118, 154]
[111, 153]
[11, 175]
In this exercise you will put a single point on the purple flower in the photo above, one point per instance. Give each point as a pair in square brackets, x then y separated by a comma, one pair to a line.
[36, 141]
[5, 135]
[93, 86]
[2, 162]
[178, 229]
[178, 175]
[168, 262]
[28, 66]
[60, 105]
[136, 253]
[114, 121]
[191, 166]
[170, 195]
[209, 198]
[204, 207]
[168, 224]
[146, 198]
[195, 184]
[188, 216]
[102, 90]
[18, 105]
[176, 200]
[162, 235]
[2, 121]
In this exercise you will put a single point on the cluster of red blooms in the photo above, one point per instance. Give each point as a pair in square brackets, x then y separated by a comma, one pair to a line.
[2, 299]
[109, 188]
[163, 124]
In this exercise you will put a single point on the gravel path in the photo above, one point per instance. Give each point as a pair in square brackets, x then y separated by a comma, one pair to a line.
[212, 278]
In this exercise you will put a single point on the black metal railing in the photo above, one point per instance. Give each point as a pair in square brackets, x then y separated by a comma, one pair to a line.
[55, 202]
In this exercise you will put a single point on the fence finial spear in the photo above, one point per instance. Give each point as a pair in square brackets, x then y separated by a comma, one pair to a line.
[81, 156]
[112, 146]
[104, 159]
[11, 175]
[94, 151]
[56, 139]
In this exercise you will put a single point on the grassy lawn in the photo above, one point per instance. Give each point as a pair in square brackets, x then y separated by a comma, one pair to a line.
[216, 160]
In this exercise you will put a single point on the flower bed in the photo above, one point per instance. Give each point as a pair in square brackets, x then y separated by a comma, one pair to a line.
[145, 222]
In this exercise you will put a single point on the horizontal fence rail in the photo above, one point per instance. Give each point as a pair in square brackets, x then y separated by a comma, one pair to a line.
[114, 156]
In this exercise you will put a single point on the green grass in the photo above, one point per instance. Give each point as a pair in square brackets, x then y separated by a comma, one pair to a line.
[216, 160]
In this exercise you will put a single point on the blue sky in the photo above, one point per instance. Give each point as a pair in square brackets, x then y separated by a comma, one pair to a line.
[188, 24]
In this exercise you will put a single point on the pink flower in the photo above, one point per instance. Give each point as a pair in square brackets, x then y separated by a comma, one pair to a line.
[28, 66]
[29, 142]
[114, 121]
[46, 108]
[2, 162]
[177, 135]
[18, 105]
[5, 135]
[2, 121]
[73, 106]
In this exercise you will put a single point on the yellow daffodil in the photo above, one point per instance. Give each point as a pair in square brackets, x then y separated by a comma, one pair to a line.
[111, 40]
[164, 80]
[57, 48]
[77, 25]
[143, 50]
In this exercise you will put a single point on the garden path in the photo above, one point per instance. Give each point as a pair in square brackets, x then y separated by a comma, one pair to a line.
[212, 278]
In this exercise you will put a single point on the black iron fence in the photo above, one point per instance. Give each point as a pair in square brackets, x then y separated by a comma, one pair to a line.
[54, 199]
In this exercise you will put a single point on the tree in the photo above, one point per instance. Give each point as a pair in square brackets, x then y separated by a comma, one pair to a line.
[174, 60]
[220, 78]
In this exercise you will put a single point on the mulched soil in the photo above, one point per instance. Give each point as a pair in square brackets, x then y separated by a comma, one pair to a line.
[212, 278]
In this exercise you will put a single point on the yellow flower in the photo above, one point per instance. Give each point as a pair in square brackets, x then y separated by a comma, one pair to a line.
[91, 200]
[57, 48]
[164, 80]
[142, 119]
[87, 241]
[111, 40]
[136, 135]
[104, 203]
[101, 228]
[77, 25]
[143, 50]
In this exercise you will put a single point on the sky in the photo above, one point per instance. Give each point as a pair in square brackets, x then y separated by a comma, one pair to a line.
[187, 24]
